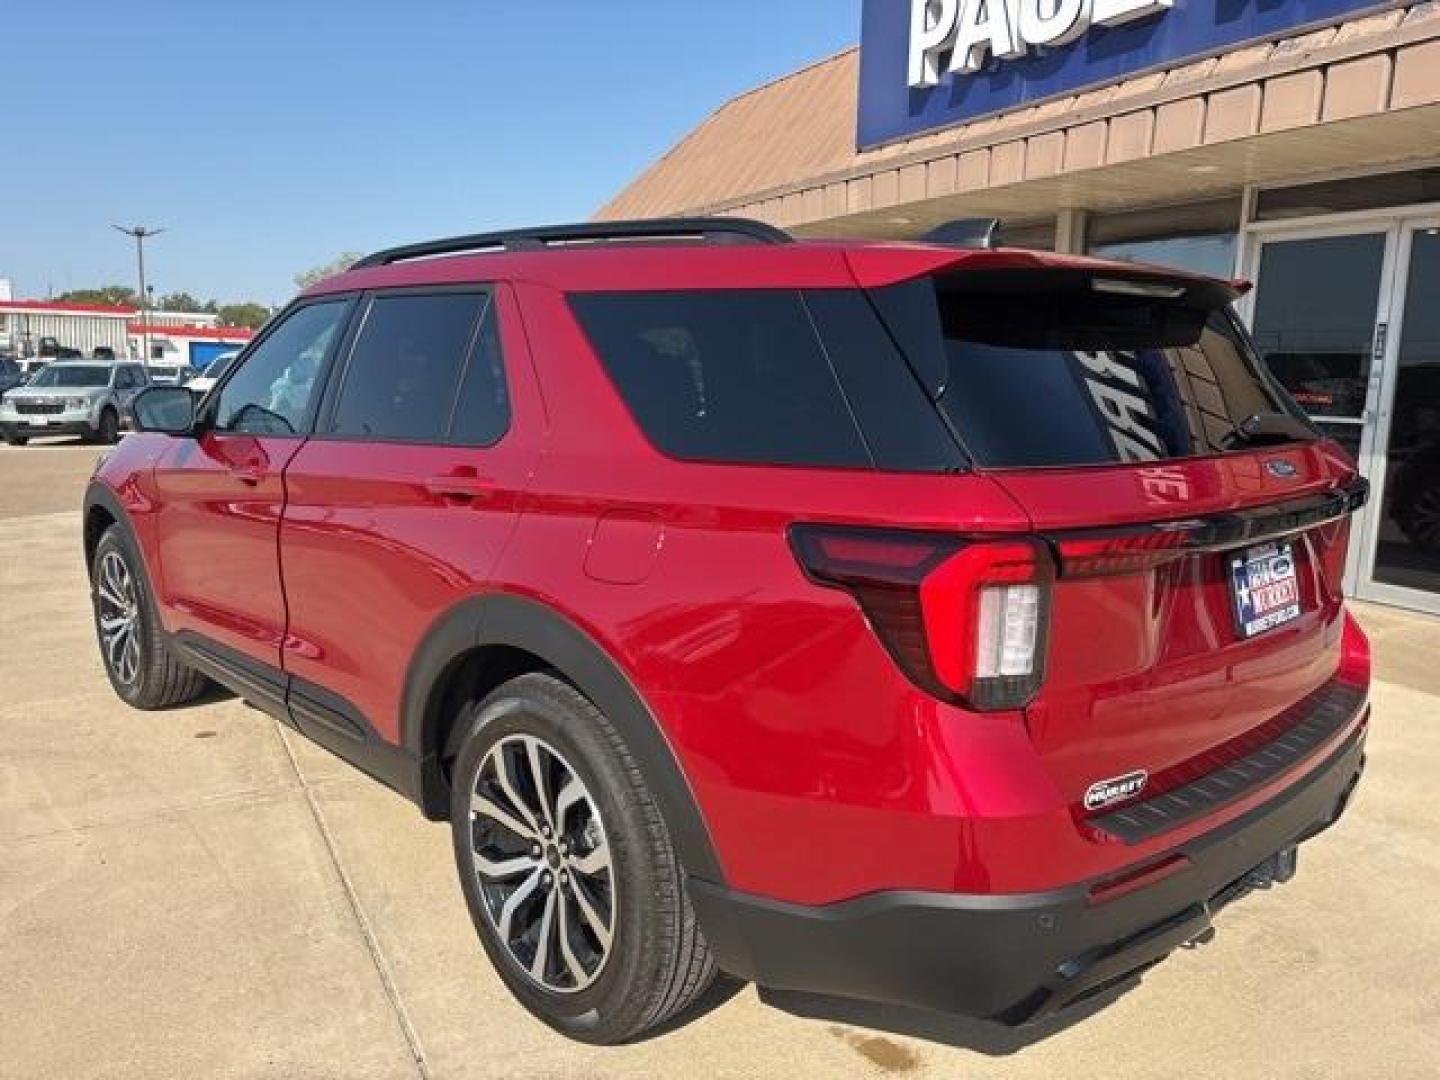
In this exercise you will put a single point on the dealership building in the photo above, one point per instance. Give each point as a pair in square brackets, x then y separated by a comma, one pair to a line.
[1295, 143]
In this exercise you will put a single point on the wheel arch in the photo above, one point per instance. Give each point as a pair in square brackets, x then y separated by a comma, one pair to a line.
[516, 635]
[102, 509]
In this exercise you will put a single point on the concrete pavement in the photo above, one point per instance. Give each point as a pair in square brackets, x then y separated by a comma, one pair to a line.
[203, 893]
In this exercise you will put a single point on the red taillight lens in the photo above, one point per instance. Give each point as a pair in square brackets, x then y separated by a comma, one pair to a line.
[1107, 553]
[965, 619]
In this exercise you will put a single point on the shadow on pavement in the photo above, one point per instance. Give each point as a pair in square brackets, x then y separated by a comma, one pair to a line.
[964, 1033]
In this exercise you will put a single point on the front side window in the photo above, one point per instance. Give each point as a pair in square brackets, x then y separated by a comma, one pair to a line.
[272, 392]
[405, 367]
[734, 375]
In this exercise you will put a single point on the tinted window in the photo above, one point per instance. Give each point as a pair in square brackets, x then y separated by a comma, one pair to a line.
[482, 410]
[903, 429]
[724, 376]
[272, 391]
[1044, 370]
[405, 366]
[73, 375]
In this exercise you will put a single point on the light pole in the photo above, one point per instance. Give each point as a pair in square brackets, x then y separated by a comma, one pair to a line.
[140, 233]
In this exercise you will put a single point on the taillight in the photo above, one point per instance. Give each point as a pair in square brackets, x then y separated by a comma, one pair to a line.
[1102, 554]
[966, 620]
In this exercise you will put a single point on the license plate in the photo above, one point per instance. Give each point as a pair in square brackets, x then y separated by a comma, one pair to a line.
[1266, 588]
[39, 421]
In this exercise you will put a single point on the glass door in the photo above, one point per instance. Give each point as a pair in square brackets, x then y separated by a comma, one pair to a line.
[1317, 307]
[1347, 316]
[1317, 321]
[1402, 546]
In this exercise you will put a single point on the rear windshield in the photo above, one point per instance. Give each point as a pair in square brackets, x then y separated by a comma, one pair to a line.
[1035, 369]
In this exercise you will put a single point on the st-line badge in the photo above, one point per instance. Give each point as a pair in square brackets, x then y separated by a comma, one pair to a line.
[1104, 792]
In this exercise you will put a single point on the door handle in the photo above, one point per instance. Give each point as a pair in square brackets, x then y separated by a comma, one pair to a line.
[250, 473]
[463, 485]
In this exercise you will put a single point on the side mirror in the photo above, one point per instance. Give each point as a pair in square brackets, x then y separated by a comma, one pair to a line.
[169, 410]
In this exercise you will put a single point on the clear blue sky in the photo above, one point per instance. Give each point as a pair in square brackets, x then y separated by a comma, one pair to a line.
[270, 135]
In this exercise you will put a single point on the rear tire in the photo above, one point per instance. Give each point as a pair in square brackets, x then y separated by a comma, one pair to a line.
[142, 667]
[571, 880]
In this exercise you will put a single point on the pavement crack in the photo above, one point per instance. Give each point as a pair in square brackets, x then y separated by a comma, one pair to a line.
[352, 897]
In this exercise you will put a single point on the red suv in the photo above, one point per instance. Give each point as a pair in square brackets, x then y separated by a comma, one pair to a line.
[955, 627]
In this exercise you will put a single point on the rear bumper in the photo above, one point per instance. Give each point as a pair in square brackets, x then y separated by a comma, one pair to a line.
[1014, 957]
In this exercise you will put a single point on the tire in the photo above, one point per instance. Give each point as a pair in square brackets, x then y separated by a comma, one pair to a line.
[16, 440]
[142, 667]
[611, 855]
[109, 430]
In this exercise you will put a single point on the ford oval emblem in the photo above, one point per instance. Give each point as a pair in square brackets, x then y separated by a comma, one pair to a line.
[1282, 469]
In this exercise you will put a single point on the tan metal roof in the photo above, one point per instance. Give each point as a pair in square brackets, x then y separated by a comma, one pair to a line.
[798, 126]
[1358, 94]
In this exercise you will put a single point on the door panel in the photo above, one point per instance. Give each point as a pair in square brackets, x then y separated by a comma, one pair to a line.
[220, 502]
[221, 495]
[380, 538]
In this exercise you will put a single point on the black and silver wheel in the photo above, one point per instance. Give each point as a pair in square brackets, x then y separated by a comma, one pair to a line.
[567, 867]
[141, 666]
[117, 613]
[542, 861]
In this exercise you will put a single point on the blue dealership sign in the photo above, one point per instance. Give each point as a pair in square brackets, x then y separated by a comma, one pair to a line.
[927, 64]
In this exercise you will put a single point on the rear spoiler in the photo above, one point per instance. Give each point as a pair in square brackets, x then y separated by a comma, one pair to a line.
[879, 266]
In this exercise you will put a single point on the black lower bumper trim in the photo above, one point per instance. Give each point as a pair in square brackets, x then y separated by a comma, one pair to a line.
[1012, 957]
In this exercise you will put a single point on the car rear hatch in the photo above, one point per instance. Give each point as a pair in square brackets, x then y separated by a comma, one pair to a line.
[1198, 524]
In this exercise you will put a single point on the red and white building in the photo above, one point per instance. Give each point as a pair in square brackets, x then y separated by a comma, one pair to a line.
[173, 338]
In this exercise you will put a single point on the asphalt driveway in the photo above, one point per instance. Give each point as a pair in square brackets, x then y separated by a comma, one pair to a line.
[200, 893]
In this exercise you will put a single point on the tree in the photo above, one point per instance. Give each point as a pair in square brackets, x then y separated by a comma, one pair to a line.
[315, 274]
[182, 301]
[246, 314]
[105, 296]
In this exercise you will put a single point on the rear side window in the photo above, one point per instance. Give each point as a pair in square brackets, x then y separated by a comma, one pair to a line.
[482, 410]
[405, 367]
[1037, 369]
[736, 375]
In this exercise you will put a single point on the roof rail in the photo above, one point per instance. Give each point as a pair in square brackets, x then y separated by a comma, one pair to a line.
[705, 230]
[967, 233]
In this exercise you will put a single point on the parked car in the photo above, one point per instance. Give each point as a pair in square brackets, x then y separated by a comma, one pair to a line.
[203, 382]
[51, 349]
[912, 623]
[166, 374]
[72, 398]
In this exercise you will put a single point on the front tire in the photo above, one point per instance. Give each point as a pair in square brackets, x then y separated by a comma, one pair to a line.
[567, 866]
[16, 440]
[142, 668]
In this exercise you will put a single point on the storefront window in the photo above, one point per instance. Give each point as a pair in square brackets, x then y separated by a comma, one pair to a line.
[1200, 237]
[1206, 253]
[1357, 193]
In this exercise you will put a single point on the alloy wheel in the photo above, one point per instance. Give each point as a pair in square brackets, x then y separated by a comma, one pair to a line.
[118, 611]
[542, 859]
